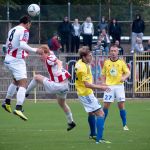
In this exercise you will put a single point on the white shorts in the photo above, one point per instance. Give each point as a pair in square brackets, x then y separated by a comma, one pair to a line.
[117, 92]
[60, 89]
[17, 67]
[90, 103]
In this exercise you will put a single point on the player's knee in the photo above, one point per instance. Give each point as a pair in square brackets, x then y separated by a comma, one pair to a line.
[36, 77]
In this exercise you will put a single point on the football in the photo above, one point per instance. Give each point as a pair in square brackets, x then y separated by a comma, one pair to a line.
[33, 10]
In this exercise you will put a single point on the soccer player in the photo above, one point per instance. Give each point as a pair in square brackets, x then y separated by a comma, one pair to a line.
[17, 50]
[114, 73]
[84, 85]
[56, 84]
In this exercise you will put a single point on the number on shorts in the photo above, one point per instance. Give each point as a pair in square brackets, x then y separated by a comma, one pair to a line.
[12, 35]
[108, 97]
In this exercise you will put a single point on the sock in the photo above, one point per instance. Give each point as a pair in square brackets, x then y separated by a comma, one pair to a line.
[21, 95]
[10, 93]
[123, 116]
[69, 117]
[92, 124]
[31, 86]
[106, 113]
[19, 107]
[100, 128]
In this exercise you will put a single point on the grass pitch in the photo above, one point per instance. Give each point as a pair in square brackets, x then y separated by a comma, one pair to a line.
[46, 128]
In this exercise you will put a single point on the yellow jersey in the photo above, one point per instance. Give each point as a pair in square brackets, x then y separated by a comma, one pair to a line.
[113, 71]
[83, 73]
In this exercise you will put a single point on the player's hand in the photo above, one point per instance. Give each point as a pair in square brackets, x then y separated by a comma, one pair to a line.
[122, 79]
[105, 88]
[39, 51]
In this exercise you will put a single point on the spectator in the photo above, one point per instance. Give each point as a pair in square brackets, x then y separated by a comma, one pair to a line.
[65, 30]
[121, 50]
[146, 70]
[138, 27]
[102, 25]
[147, 48]
[54, 44]
[103, 42]
[115, 31]
[88, 32]
[138, 45]
[75, 40]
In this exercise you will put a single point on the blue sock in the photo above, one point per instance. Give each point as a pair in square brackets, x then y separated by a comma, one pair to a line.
[106, 113]
[123, 116]
[92, 124]
[100, 128]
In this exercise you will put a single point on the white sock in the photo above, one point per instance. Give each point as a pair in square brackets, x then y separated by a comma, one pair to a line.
[11, 91]
[69, 117]
[31, 86]
[21, 95]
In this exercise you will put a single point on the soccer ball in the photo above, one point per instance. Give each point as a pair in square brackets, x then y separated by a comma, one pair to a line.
[33, 10]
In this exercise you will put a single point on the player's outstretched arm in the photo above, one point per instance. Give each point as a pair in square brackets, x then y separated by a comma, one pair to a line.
[94, 86]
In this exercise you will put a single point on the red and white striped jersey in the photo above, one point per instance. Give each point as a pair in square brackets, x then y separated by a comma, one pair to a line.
[15, 35]
[56, 75]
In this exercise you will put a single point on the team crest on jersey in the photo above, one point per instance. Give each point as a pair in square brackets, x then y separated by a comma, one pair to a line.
[113, 71]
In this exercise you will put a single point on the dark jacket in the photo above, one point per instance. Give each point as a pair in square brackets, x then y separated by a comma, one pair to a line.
[138, 26]
[114, 30]
[65, 29]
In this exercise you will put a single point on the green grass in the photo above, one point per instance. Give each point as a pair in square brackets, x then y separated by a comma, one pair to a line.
[46, 128]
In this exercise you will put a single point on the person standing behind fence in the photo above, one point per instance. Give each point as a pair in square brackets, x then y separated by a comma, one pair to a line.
[17, 51]
[88, 32]
[102, 25]
[138, 27]
[75, 38]
[84, 85]
[114, 73]
[64, 30]
[115, 30]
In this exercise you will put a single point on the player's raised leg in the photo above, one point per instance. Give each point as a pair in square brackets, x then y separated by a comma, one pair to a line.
[36, 79]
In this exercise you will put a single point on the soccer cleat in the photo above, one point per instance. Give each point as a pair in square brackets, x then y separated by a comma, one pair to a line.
[7, 107]
[92, 137]
[71, 126]
[20, 114]
[103, 141]
[125, 128]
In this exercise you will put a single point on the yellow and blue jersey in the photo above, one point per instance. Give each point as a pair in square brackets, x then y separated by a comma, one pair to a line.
[83, 74]
[113, 71]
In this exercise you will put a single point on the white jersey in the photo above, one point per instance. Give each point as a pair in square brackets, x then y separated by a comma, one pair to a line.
[15, 36]
[56, 75]
[88, 28]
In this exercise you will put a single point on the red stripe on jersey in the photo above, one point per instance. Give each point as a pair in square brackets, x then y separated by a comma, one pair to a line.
[22, 54]
[14, 53]
[60, 78]
[67, 75]
[49, 58]
[50, 71]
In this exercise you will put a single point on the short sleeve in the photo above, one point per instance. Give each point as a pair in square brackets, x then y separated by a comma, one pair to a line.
[24, 35]
[51, 60]
[125, 67]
